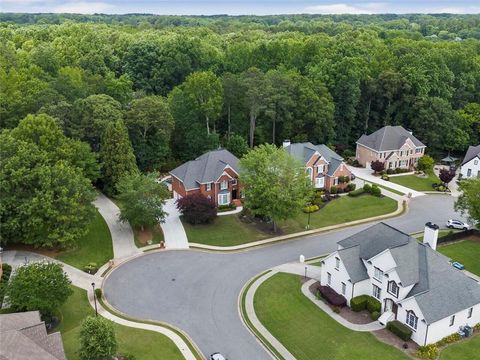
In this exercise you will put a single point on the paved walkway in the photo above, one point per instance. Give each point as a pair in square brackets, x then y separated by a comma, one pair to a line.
[78, 277]
[375, 325]
[122, 234]
[173, 230]
[366, 175]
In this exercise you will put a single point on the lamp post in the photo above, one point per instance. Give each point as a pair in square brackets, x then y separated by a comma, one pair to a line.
[94, 298]
[308, 223]
[305, 273]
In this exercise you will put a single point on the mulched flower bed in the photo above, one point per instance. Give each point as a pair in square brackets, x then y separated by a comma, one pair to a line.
[391, 339]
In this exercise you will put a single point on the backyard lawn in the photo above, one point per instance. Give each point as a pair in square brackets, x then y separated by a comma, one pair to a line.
[142, 344]
[229, 230]
[466, 252]
[309, 333]
[466, 350]
[415, 182]
[94, 247]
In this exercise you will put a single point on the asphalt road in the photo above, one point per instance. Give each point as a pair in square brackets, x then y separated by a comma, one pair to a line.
[198, 291]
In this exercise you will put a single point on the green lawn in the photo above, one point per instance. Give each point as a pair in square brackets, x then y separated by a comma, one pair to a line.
[466, 350]
[142, 344]
[415, 182]
[95, 246]
[229, 230]
[466, 252]
[306, 331]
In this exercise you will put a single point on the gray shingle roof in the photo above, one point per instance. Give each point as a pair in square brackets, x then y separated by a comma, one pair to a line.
[304, 151]
[24, 336]
[439, 289]
[388, 138]
[206, 168]
[472, 152]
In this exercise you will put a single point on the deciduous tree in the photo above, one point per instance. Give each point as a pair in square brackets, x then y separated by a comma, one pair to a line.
[97, 339]
[469, 202]
[197, 209]
[377, 166]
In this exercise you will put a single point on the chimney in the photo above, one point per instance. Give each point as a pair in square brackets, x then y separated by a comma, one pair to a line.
[430, 236]
[410, 131]
[286, 143]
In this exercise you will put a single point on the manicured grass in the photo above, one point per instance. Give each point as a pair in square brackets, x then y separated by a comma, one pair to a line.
[466, 252]
[308, 332]
[229, 230]
[466, 350]
[415, 182]
[142, 344]
[95, 247]
[391, 190]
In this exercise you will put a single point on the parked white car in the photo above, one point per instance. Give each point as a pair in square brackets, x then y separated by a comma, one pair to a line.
[217, 356]
[457, 224]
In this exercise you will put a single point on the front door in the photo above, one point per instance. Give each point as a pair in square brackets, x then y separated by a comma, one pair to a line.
[234, 194]
[389, 305]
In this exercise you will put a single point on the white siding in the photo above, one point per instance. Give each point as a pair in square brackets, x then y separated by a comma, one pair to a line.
[418, 335]
[338, 276]
[474, 168]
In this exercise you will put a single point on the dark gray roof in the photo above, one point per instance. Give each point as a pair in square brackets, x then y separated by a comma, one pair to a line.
[24, 336]
[206, 168]
[304, 151]
[472, 152]
[439, 289]
[388, 138]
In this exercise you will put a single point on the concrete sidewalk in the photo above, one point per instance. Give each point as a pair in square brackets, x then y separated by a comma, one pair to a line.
[122, 235]
[78, 277]
[173, 230]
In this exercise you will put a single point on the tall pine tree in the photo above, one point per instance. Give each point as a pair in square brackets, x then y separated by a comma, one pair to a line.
[116, 155]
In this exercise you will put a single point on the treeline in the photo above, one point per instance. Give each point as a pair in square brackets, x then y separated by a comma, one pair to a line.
[183, 88]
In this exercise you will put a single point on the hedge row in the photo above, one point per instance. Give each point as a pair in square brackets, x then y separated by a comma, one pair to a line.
[399, 329]
[331, 296]
[362, 302]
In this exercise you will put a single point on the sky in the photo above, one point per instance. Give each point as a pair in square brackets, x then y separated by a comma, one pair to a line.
[239, 7]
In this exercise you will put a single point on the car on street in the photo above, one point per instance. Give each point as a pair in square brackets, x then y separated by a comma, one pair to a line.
[457, 224]
[217, 356]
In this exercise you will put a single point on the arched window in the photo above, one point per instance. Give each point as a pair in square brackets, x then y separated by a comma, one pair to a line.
[412, 319]
[393, 288]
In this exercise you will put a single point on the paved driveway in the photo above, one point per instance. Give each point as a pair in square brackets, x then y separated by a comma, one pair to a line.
[173, 230]
[198, 291]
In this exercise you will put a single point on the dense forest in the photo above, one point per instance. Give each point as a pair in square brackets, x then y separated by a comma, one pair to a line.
[183, 85]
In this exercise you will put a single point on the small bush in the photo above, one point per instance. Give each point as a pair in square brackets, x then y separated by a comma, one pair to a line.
[449, 339]
[385, 177]
[375, 315]
[339, 190]
[399, 329]
[476, 327]
[317, 201]
[311, 208]
[367, 188]
[359, 303]
[229, 207]
[90, 268]
[332, 297]
[428, 352]
[401, 170]
[376, 191]
[98, 293]
[357, 192]
[333, 190]
[351, 187]
[197, 209]
[390, 171]
[373, 305]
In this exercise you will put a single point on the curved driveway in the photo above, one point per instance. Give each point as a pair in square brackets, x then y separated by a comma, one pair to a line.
[198, 291]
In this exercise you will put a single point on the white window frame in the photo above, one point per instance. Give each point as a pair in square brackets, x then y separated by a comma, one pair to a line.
[208, 186]
[224, 185]
[377, 292]
[469, 172]
[452, 320]
[377, 274]
[224, 196]
[335, 181]
[392, 284]
[319, 184]
[475, 162]
[411, 320]
[337, 263]
[320, 169]
[344, 288]
[470, 312]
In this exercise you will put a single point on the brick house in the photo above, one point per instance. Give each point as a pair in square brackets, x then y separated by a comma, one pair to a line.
[393, 145]
[323, 165]
[213, 174]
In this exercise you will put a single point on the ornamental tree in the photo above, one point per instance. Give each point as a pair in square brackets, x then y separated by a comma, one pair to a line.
[425, 163]
[39, 286]
[377, 166]
[143, 198]
[97, 339]
[197, 209]
[446, 175]
[275, 183]
[469, 202]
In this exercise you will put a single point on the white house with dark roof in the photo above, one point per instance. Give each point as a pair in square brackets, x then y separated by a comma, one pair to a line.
[213, 174]
[415, 284]
[392, 145]
[471, 163]
[323, 165]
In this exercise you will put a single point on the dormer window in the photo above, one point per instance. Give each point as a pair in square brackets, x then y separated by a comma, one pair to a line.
[378, 274]
[320, 169]
[337, 263]
[224, 185]
[392, 288]
[412, 319]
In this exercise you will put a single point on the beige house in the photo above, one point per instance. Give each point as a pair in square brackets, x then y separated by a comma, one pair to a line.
[393, 145]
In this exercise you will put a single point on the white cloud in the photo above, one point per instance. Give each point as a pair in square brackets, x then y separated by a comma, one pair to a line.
[365, 8]
[24, 2]
[84, 8]
[458, 10]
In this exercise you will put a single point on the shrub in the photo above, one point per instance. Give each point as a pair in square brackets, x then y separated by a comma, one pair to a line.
[377, 166]
[333, 190]
[317, 201]
[373, 305]
[339, 190]
[311, 208]
[355, 163]
[425, 163]
[376, 191]
[98, 293]
[390, 171]
[90, 268]
[449, 339]
[6, 271]
[476, 327]
[331, 296]
[429, 352]
[359, 303]
[385, 177]
[343, 179]
[375, 315]
[197, 209]
[228, 207]
[399, 329]
[367, 188]
[351, 187]
[97, 339]
[357, 192]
